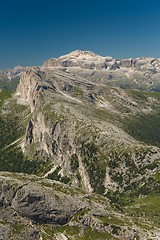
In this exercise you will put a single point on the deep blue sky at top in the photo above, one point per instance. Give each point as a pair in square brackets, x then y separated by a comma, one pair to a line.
[32, 31]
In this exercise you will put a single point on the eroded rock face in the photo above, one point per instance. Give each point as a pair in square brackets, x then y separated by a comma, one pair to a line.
[27, 201]
[37, 202]
[30, 85]
[42, 206]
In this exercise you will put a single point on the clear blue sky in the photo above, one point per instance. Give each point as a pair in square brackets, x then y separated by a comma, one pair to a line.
[33, 31]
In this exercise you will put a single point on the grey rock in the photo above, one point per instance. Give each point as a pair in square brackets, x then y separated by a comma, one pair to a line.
[31, 205]
[42, 206]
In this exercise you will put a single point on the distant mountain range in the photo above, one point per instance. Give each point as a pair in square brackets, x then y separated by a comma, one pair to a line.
[133, 73]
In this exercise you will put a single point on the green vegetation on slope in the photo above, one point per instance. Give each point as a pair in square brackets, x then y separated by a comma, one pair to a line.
[147, 207]
[4, 94]
[57, 176]
[6, 85]
[12, 130]
[144, 128]
[95, 166]
[142, 95]
[134, 172]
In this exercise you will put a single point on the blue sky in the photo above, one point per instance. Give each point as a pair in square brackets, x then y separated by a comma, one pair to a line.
[33, 31]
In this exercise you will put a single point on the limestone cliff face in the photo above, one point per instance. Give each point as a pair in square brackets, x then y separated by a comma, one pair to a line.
[51, 134]
[71, 127]
[30, 85]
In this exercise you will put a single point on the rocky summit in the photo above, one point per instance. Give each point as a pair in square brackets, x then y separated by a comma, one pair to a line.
[80, 149]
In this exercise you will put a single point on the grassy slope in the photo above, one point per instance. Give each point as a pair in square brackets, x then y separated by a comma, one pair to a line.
[6, 85]
[145, 127]
[146, 207]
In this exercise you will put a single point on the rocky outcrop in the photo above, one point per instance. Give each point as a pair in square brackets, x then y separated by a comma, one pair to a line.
[34, 208]
[30, 85]
[42, 206]
[37, 202]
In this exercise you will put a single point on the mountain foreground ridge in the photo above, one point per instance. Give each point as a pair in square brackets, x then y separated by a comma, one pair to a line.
[88, 127]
